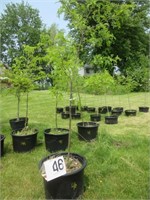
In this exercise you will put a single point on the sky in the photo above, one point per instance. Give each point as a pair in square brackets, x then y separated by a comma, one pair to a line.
[47, 11]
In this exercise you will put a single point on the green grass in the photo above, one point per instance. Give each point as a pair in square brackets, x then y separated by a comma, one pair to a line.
[117, 162]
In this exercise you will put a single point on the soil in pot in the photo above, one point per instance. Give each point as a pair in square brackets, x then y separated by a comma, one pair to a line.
[143, 109]
[104, 109]
[111, 119]
[2, 138]
[87, 131]
[18, 124]
[130, 112]
[24, 141]
[95, 117]
[56, 139]
[70, 185]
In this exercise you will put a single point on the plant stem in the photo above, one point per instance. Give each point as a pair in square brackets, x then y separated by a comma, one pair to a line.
[79, 96]
[70, 118]
[129, 102]
[56, 112]
[27, 108]
[18, 106]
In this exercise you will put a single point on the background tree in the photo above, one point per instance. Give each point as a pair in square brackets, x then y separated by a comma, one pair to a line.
[41, 57]
[110, 33]
[131, 39]
[20, 24]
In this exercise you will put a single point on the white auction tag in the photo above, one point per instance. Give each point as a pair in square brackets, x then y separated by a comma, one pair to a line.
[54, 168]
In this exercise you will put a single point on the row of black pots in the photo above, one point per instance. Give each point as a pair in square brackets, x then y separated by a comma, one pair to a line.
[87, 131]
[97, 117]
[61, 187]
[24, 143]
[68, 109]
[102, 110]
[113, 119]
[56, 188]
[53, 142]
[66, 115]
[118, 110]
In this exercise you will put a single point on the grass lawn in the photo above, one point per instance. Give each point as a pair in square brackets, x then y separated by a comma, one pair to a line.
[117, 161]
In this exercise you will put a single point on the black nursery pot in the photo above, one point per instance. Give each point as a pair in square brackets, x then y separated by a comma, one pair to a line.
[2, 138]
[64, 115]
[24, 143]
[116, 112]
[144, 109]
[111, 120]
[59, 110]
[73, 109]
[95, 117]
[91, 109]
[68, 186]
[84, 108]
[104, 109]
[130, 112]
[18, 125]
[87, 131]
[118, 108]
[76, 116]
[56, 142]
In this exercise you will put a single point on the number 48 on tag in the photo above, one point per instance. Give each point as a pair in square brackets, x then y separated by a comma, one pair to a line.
[54, 168]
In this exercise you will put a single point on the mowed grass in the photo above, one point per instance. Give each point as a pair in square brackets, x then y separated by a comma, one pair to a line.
[117, 161]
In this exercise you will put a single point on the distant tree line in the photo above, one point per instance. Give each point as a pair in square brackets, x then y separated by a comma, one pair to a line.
[106, 33]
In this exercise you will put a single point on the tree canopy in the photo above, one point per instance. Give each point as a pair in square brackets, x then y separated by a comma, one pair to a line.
[109, 33]
[20, 24]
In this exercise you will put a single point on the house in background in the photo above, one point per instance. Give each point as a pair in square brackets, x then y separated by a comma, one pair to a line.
[87, 70]
[4, 80]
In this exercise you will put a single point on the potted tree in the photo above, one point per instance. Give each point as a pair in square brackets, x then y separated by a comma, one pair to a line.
[119, 88]
[18, 83]
[102, 83]
[56, 139]
[130, 84]
[144, 108]
[95, 117]
[22, 78]
[64, 58]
